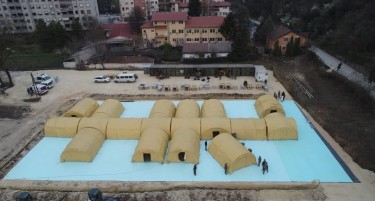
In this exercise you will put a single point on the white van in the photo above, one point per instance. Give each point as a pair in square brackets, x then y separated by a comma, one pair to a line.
[45, 80]
[261, 73]
[126, 77]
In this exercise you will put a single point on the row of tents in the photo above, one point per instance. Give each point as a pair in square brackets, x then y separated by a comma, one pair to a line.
[185, 125]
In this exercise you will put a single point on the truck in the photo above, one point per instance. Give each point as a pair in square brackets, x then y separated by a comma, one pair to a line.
[45, 79]
[261, 74]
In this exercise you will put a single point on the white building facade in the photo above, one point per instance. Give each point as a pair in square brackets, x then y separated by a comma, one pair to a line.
[20, 16]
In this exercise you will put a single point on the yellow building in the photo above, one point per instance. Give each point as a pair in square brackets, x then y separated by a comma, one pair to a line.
[177, 28]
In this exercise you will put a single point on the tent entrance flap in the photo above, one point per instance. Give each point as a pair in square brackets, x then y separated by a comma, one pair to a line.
[146, 157]
[73, 115]
[182, 156]
[273, 111]
[215, 133]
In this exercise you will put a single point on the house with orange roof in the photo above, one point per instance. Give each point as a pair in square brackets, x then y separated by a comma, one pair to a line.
[283, 35]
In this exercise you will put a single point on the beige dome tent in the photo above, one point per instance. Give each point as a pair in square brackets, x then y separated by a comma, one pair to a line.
[267, 104]
[213, 108]
[84, 146]
[184, 146]
[127, 128]
[249, 128]
[227, 150]
[280, 127]
[190, 123]
[151, 146]
[161, 123]
[211, 127]
[110, 108]
[97, 123]
[188, 109]
[61, 127]
[163, 109]
[83, 108]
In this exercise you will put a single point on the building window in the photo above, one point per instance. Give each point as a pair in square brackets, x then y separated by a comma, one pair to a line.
[196, 39]
[188, 39]
[212, 30]
[180, 22]
[286, 39]
[204, 30]
[173, 31]
[188, 31]
[82, 12]
[89, 12]
[283, 47]
[212, 39]
[204, 39]
[180, 31]
[152, 30]
[196, 31]
[219, 39]
[173, 22]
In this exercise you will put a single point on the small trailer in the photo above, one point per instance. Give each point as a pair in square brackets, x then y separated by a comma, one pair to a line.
[261, 74]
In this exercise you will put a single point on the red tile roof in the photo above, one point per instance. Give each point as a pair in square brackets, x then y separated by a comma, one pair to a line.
[279, 31]
[147, 25]
[116, 30]
[220, 4]
[205, 21]
[169, 16]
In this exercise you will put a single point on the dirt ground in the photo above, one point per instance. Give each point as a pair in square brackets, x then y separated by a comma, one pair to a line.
[20, 125]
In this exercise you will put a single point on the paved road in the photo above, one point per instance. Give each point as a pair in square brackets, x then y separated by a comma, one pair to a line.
[345, 70]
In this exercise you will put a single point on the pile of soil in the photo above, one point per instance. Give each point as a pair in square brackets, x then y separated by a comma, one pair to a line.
[14, 112]
[342, 108]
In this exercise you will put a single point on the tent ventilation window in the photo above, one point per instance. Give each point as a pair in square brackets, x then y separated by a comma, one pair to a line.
[215, 133]
[273, 111]
[182, 156]
[147, 157]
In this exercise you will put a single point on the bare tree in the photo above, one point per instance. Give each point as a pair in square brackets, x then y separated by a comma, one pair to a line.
[6, 43]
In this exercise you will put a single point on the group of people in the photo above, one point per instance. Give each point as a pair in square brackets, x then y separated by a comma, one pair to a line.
[279, 95]
[264, 164]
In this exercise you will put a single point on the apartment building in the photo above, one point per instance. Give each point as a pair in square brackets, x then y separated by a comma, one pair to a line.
[19, 16]
[177, 28]
[209, 7]
[149, 7]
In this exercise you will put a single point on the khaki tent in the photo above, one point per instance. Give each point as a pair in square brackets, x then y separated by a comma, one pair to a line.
[110, 108]
[213, 108]
[227, 150]
[184, 146]
[267, 104]
[61, 127]
[280, 127]
[151, 146]
[190, 123]
[188, 109]
[84, 146]
[161, 123]
[97, 123]
[83, 108]
[249, 129]
[211, 127]
[163, 109]
[129, 128]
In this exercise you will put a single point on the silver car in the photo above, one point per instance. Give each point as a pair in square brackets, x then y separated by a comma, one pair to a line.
[102, 79]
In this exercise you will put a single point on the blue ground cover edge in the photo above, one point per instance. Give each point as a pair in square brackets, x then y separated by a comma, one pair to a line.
[334, 153]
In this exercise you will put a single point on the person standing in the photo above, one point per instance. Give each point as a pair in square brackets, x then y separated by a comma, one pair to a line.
[205, 145]
[195, 169]
[208, 79]
[278, 94]
[226, 169]
[283, 96]
[259, 160]
[339, 66]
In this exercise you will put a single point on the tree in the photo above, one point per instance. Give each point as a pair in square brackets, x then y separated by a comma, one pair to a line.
[194, 8]
[44, 36]
[61, 37]
[297, 46]
[264, 29]
[276, 49]
[226, 29]
[136, 19]
[290, 47]
[5, 52]
[77, 31]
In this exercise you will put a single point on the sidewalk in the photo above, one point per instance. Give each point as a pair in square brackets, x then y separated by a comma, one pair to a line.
[345, 70]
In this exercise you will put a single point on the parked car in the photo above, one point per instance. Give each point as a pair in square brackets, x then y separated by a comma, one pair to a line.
[102, 79]
[126, 77]
[45, 80]
[40, 89]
